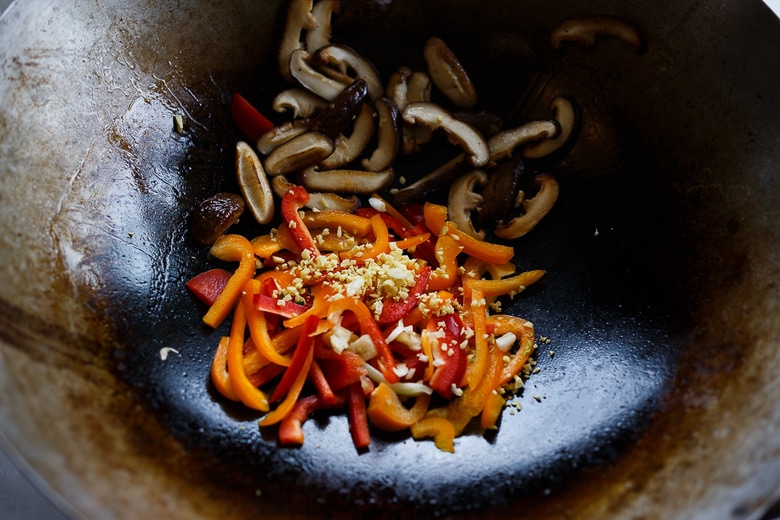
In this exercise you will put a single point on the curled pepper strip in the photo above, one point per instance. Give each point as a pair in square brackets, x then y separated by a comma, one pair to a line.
[231, 248]
[250, 395]
[435, 218]
[511, 286]
[442, 431]
[293, 200]
[476, 368]
[381, 242]
[333, 219]
[219, 374]
[258, 327]
[524, 331]
[306, 348]
[388, 413]
[447, 251]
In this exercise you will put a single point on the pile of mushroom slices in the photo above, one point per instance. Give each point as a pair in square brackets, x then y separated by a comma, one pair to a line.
[348, 127]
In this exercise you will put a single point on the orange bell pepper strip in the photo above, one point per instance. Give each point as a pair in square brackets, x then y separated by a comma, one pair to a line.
[248, 394]
[510, 286]
[319, 306]
[369, 326]
[413, 241]
[478, 363]
[442, 431]
[258, 327]
[492, 411]
[305, 352]
[265, 246]
[381, 242]
[447, 251]
[333, 219]
[231, 248]
[283, 341]
[436, 220]
[386, 412]
[219, 374]
[524, 330]
[435, 217]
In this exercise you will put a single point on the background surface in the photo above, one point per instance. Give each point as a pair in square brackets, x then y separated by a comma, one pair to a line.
[20, 499]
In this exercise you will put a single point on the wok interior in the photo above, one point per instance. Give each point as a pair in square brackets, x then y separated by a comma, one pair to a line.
[660, 300]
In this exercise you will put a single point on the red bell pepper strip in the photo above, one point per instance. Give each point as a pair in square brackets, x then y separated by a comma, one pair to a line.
[293, 200]
[290, 431]
[207, 285]
[288, 309]
[303, 351]
[287, 405]
[248, 119]
[393, 310]
[358, 416]
[340, 370]
[450, 360]
[320, 382]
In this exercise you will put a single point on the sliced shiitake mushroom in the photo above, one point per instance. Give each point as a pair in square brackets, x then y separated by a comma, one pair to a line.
[302, 69]
[586, 30]
[344, 64]
[299, 18]
[254, 183]
[346, 181]
[213, 216]
[500, 192]
[566, 112]
[281, 134]
[434, 181]
[533, 209]
[300, 102]
[463, 200]
[332, 121]
[448, 74]
[347, 149]
[503, 144]
[317, 200]
[389, 136]
[434, 116]
[319, 36]
[299, 153]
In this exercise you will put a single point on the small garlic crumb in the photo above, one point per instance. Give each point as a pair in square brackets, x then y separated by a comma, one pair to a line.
[165, 351]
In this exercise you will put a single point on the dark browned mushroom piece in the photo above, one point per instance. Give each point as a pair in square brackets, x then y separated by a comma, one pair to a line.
[500, 192]
[434, 181]
[213, 216]
[341, 111]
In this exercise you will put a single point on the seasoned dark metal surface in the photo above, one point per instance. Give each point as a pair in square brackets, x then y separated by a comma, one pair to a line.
[660, 301]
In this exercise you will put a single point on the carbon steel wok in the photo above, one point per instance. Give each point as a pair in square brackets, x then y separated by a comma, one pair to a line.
[661, 300]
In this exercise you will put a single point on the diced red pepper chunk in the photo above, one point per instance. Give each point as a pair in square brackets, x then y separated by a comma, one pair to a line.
[207, 285]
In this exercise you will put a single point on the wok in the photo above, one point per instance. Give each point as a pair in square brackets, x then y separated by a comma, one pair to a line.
[657, 394]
